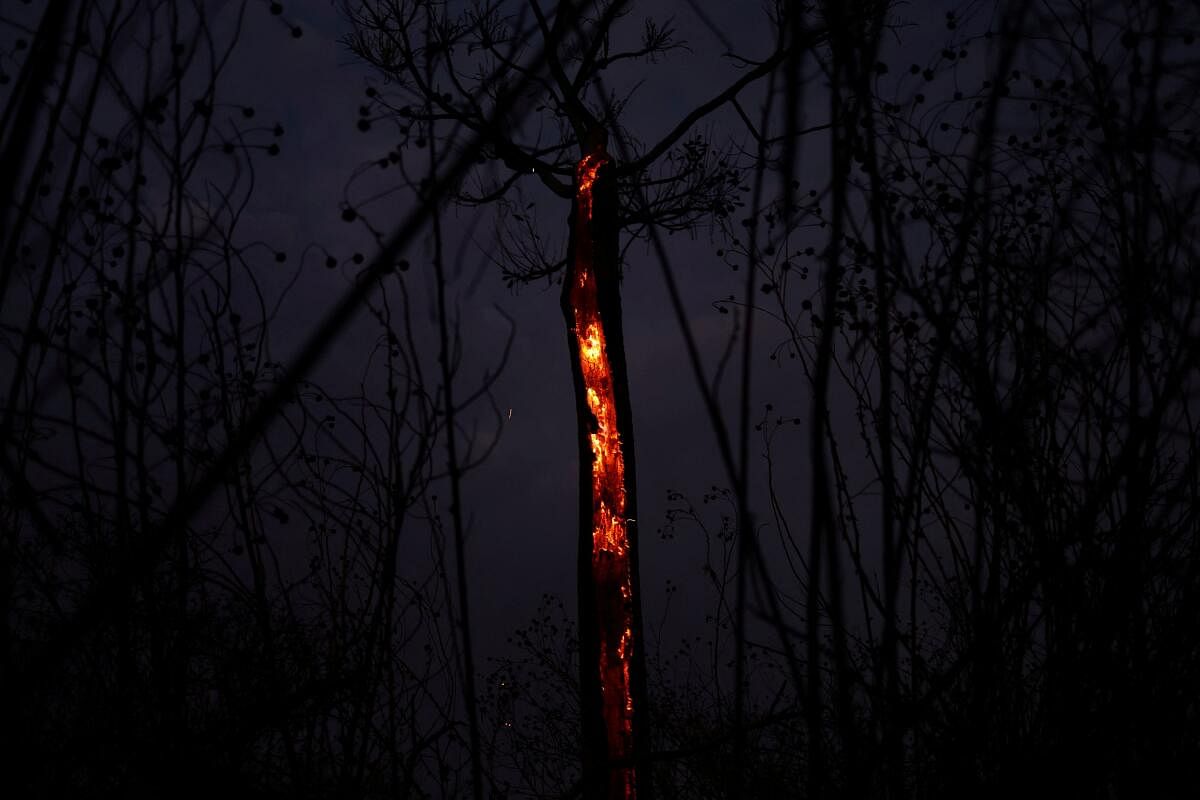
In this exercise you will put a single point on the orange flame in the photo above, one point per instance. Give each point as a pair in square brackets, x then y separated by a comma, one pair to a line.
[610, 539]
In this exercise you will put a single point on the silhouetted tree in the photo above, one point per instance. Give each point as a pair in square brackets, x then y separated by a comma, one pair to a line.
[276, 640]
[990, 299]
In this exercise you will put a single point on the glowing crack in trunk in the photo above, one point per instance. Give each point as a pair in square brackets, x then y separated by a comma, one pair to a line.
[610, 538]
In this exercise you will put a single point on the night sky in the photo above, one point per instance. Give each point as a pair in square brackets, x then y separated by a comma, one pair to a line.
[523, 499]
[1006, 432]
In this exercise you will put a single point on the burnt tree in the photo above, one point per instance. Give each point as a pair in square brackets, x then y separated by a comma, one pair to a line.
[441, 66]
[612, 674]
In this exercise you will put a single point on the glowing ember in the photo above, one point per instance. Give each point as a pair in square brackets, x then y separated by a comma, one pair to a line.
[610, 539]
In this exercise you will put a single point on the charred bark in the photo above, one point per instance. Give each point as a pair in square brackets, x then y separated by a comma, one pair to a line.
[615, 763]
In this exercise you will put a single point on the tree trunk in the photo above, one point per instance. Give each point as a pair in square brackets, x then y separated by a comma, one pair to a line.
[612, 666]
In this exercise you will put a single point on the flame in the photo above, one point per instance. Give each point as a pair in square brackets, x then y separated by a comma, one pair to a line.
[610, 538]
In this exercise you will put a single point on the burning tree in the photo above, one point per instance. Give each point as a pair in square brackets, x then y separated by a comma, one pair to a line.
[998, 571]
[443, 71]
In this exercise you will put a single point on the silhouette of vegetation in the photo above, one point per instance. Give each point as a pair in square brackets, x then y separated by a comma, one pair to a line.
[988, 301]
[183, 611]
[954, 548]
[989, 304]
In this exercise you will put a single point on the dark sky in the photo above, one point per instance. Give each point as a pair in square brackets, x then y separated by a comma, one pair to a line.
[522, 502]
[1026, 534]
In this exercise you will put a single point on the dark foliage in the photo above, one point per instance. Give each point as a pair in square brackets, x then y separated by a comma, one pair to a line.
[956, 555]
